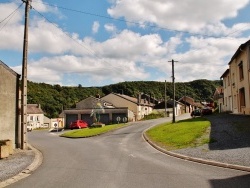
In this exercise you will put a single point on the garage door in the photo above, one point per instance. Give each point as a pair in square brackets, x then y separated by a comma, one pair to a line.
[104, 118]
[87, 118]
[70, 118]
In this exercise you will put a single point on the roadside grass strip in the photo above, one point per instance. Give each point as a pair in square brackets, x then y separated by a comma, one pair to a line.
[182, 134]
[88, 132]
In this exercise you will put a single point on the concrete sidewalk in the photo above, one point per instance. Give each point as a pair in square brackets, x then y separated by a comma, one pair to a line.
[19, 165]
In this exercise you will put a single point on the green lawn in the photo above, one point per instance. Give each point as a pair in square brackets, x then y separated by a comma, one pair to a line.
[87, 132]
[182, 134]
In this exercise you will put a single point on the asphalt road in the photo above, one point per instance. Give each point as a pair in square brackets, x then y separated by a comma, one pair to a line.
[120, 159]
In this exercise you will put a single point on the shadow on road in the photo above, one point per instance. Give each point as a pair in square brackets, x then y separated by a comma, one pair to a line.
[239, 181]
[229, 131]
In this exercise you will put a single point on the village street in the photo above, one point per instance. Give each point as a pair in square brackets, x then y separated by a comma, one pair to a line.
[120, 159]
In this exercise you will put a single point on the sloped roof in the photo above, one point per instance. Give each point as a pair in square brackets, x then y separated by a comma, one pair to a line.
[239, 50]
[9, 69]
[34, 109]
[133, 99]
[91, 101]
[187, 100]
[225, 73]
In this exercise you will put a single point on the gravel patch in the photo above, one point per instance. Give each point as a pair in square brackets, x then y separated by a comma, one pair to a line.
[15, 163]
[231, 135]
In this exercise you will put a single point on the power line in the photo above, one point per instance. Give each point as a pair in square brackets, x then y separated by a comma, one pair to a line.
[136, 23]
[10, 16]
[92, 52]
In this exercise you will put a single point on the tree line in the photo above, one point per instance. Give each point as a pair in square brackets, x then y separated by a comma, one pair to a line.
[55, 98]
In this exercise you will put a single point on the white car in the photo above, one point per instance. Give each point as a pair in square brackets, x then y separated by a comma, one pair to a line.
[29, 128]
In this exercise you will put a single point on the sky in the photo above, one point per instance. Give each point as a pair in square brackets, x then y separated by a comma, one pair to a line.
[102, 42]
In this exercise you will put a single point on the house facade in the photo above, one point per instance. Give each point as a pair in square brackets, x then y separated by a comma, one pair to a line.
[236, 82]
[112, 108]
[189, 104]
[168, 107]
[9, 95]
[219, 97]
[91, 107]
[140, 107]
[35, 116]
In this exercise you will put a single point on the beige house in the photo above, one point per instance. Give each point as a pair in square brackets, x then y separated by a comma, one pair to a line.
[9, 94]
[140, 107]
[219, 97]
[35, 116]
[236, 82]
[88, 109]
[168, 107]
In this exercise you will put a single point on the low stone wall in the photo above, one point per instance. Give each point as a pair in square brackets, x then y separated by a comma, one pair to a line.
[6, 148]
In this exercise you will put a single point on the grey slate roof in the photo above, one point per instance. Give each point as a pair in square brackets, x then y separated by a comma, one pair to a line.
[34, 109]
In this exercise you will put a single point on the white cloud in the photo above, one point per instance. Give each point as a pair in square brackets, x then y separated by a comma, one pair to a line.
[40, 6]
[95, 27]
[110, 28]
[52, 69]
[189, 15]
[130, 55]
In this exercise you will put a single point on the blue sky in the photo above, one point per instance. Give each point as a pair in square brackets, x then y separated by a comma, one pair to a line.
[96, 43]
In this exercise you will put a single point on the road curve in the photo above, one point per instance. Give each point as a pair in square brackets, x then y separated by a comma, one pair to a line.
[120, 159]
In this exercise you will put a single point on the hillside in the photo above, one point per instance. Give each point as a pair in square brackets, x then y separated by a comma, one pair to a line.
[55, 98]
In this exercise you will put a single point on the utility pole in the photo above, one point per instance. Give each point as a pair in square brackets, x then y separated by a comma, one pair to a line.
[165, 98]
[185, 98]
[24, 79]
[173, 81]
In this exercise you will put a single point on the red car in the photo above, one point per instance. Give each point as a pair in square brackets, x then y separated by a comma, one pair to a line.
[207, 111]
[78, 124]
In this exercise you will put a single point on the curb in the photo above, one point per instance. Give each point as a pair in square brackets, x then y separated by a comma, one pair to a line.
[27, 171]
[198, 160]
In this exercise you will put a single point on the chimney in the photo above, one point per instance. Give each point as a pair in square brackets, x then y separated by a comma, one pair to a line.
[139, 98]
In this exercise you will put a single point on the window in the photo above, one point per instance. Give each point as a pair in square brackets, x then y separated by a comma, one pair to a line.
[242, 97]
[228, 80]
[235, 104]
[241, 70]
[233, 80]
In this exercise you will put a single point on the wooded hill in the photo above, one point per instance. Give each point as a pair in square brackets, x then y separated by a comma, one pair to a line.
[55, 98]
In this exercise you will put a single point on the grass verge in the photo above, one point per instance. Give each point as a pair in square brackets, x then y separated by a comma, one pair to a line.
[87, 132]
[182, 134]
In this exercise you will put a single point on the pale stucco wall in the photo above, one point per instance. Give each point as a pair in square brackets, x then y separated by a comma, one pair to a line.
[8, 104]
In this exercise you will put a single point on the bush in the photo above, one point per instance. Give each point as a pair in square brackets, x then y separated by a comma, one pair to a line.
[153, 116]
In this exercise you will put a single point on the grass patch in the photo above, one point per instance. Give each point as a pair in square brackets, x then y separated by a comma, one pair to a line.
[87, 132]
[185, 133]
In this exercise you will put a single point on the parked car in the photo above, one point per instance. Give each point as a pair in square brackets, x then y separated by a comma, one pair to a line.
[196, 112]
[207, 111]
[78, 124]
[29, 127]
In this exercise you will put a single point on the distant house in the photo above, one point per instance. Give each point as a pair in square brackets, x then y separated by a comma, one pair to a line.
[236, 82]
[35, 116]
[189, 104]
[151, 98]
[88, 108]
[219, 96]
[9, 97]
[140, 107]
[168, 107]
